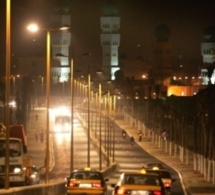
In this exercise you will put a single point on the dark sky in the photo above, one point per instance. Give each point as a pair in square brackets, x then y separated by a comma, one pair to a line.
[139, 18]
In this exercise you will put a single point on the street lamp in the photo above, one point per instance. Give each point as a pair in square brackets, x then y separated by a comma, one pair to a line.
[35, 28]
[88, 123]
[72, 116]
[7, 96]
[114, 117]
[100, 128]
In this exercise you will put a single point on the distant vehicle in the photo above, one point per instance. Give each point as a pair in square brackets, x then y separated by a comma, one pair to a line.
[165, 177]
[86, 181]
[139, 183]
[151, 165]
[61, 119]
[62, 123]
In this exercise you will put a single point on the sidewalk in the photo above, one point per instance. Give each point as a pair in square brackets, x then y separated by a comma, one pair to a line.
[193, 182]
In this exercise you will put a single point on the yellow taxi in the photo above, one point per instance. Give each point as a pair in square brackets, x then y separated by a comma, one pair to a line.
[165, 177]
[86, 181]
[139, 183]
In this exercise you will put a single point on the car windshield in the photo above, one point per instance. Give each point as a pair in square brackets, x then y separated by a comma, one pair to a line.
[86, 175]
[14, 148]
[141, 179]
[62, 119]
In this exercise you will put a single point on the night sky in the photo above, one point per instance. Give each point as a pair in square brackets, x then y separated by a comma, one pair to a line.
[139, 18]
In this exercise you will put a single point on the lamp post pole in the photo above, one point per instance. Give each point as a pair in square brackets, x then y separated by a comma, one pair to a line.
[114, 115]
[108, 128]
[7, 110]
[34, 28]
[48, 62]
[100, 128]
[72, 116]
[88, 123]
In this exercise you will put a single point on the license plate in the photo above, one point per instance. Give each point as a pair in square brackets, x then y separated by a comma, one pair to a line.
[139, 192]
[85, 185]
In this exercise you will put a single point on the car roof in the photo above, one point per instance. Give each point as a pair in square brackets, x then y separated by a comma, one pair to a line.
[84, 170]
[138, 173]
[161, 172]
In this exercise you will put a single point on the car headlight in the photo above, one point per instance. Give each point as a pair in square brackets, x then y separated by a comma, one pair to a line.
[17, 170]
[33, 176]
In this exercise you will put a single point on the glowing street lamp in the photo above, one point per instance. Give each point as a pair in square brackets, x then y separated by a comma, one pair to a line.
[72, 117]
[7, 97]
[35, 28]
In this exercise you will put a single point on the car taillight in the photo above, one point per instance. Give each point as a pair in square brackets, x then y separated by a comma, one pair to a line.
[167, 185]
[97, 185]
[72, 183]
[156, 192]
[120, 190]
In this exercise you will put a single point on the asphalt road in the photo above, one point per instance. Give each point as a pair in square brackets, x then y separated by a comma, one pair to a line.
[132, 158]
[128, 158]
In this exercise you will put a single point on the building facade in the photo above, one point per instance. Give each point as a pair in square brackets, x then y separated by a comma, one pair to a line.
[110, 40]
[60, 43]
[208, 55]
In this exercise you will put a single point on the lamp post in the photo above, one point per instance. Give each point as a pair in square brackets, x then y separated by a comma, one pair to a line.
[88, 112]
[108, 128]
[88, 123]
[114, 115]
[7, 110]
[72, 116]
[48, 59]
[34, 28]
[100, 128]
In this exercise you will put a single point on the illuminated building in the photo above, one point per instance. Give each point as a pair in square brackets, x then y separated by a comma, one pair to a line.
[60, 42]
[110, 40]
[208, 54]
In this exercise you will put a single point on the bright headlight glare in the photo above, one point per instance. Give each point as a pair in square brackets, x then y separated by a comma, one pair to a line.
[58, 128]
[17, 170]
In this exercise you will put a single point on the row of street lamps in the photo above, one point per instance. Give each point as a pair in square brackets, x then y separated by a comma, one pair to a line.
[34, 28]
[100, 110]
